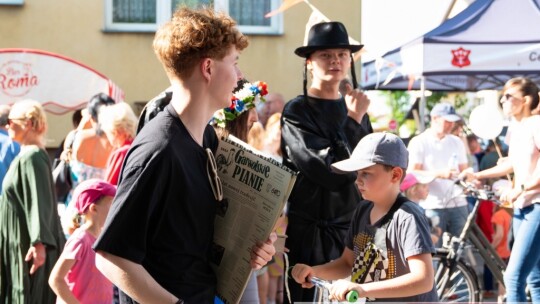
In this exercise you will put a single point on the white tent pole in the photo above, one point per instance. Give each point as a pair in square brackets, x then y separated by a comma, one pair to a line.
[450, 8]
[422, 105]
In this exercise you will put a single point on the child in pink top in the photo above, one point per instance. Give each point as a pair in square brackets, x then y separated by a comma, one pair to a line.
[415, 187]
[75, 278]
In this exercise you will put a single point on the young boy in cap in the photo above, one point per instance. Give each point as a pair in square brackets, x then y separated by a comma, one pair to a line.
[319, 128]
[157, 242]
[388, 246]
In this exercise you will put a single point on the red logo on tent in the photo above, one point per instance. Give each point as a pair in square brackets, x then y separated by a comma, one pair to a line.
[461, 57]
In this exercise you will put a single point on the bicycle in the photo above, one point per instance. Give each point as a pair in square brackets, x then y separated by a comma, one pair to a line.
[320, 284]
[455, 279]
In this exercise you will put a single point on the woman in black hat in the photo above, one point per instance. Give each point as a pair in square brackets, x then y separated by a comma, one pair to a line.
[319, 128]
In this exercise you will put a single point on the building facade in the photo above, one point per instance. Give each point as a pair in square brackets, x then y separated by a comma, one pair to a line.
[115, 37]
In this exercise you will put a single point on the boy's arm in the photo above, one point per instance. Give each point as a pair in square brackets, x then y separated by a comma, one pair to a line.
[418, 281]
[337, 269]
[133, 279]
[58, 283]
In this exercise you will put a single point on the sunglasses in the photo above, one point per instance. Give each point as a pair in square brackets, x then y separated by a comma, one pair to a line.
[215, 181]
[10, 120]
[507, 97]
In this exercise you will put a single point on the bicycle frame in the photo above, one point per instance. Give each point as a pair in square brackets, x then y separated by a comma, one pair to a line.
[472, 233]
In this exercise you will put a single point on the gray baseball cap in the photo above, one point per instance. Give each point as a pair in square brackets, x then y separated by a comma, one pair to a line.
[376, 148]
[446, 111]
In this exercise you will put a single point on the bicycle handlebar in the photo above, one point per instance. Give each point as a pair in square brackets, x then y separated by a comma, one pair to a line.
[482, 194]
[352, 296]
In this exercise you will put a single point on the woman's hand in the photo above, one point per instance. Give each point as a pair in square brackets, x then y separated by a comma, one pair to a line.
[467, 174]
[262, 253]
[340, 288]
[66, 155]
[510, 195]
[37, 254]
[86, 120]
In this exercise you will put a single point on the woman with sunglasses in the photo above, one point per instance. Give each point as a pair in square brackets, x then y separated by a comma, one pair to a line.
[520, 98]
[31, 238]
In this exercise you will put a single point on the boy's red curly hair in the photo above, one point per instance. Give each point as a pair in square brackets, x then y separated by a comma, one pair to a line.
[192, 35]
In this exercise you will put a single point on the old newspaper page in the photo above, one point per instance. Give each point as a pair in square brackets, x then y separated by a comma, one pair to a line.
[255, 190]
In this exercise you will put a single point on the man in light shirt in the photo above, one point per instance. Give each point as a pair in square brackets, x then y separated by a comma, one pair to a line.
[443, 155]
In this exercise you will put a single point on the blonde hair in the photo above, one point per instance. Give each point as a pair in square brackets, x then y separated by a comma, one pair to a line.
[272, 120]
[412, 192]
[192, 35]
[33, 111]
[256, 135]
[273, 130]
[75, 220]
[118, 118]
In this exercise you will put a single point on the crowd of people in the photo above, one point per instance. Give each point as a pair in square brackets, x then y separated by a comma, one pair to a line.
[138, 224]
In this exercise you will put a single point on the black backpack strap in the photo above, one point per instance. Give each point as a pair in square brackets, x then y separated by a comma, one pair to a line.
[153, 107]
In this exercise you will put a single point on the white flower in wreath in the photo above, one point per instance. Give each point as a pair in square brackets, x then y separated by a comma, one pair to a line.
[245, 92]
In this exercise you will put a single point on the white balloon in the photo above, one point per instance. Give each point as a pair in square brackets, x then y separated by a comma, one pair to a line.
[486, 121]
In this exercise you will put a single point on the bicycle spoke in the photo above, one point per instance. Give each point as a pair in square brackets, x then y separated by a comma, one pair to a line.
[455, 284]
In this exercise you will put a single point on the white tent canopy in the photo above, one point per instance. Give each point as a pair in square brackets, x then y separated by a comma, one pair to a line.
[486, 44]
[61, 84]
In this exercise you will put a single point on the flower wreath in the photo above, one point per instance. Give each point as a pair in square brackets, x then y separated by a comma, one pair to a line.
[243, 100]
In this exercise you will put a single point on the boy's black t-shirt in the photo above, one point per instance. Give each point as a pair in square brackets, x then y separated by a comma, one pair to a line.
[163, 214]
[407, 235]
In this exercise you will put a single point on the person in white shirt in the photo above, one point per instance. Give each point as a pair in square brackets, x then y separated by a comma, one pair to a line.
[437, 152]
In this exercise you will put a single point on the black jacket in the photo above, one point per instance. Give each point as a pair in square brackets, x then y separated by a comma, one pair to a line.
[315, 134]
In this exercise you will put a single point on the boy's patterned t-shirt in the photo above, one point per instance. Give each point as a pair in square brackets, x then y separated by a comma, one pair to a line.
[407, 235]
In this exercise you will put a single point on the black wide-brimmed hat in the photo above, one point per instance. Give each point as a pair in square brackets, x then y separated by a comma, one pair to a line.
[327, 35]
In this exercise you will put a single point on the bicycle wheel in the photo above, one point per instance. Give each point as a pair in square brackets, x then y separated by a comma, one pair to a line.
[455, 283]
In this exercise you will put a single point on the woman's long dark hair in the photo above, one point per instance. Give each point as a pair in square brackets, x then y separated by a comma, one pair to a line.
[98, 100]
[237, 127]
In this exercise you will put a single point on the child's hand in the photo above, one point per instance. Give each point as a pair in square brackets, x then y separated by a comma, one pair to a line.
[302, 274]
[340, 288]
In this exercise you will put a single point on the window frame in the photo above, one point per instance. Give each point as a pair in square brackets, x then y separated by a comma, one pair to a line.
[163, 14]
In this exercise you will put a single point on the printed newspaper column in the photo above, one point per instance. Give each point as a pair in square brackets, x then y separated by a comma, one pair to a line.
[255, 190]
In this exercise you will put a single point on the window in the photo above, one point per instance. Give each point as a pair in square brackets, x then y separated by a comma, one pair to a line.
[249, 14]
[147, 15]
[12, 2]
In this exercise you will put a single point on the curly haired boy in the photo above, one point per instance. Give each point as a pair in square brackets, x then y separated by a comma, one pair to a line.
[157, 240]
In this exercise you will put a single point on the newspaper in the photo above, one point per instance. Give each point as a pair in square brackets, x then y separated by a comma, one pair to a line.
[255, 190]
